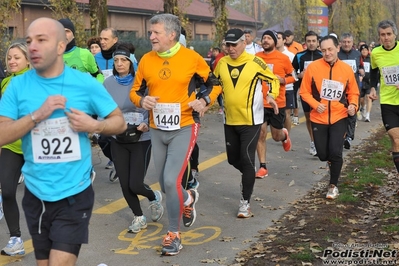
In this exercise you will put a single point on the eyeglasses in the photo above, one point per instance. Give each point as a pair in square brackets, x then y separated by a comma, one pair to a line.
[231, 44]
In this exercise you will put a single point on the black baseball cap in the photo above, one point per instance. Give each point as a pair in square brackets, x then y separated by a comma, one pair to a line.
[233, 36]
[363, 46]
[288, 33]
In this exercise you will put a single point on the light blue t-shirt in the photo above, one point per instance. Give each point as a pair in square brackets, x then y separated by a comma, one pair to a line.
[24, 95]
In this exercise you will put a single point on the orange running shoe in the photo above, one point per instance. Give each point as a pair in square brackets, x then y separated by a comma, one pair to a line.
[287, 142]
[261, 173]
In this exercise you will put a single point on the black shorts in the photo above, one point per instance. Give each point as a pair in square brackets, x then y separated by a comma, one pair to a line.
[390, 116]
[290, 100]
[64, 225]
[364, 92]
[276, 121]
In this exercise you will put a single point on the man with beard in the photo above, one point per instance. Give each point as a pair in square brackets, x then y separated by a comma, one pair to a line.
[300, 63]
[76, 57]
[352, 58]
[281, 66]
[108, 41]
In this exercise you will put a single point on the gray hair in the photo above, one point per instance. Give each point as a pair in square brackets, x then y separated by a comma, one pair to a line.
[114, 33]
[171, 23]
[386, 24]
[346, 36]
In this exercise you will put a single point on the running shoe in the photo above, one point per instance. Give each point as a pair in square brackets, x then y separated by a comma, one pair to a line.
[261, 173]
[15, 246]
[171, 244]
[156, 207]
[193, 184]
[220, 112]
[244, 210]
[109, 165]
[287, 142]
[347, 143]
[295, 120]
[312, 149]
[112, 176]
[367, 117]
[138, 223]
[189, 213]
[332, 192]
[195, 173]
[359, 115]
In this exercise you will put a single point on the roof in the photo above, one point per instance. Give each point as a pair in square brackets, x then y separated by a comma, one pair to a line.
[198, 9]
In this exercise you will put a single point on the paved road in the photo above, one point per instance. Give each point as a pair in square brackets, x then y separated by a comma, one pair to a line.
[217, 235]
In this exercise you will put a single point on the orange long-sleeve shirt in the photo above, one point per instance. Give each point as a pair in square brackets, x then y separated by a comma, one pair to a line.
[281, 66]
[335, 86]
[173, 80]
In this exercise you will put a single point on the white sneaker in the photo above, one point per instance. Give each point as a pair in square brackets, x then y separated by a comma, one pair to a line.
[156, 207]
[312, 149]
[332, 192]
[15, 246]
[138, 223]
[295, 120]
[244, 210]
[359, 115]
[367, 117]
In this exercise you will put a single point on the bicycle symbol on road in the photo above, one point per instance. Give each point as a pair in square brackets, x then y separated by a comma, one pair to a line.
[151, 238]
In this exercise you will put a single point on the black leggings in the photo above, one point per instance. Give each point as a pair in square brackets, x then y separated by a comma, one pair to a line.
[193, 164]
[329, 141]
[10, 165]
[241, 144]
[131, 163]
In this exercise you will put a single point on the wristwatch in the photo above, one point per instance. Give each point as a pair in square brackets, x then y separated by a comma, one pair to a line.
[206, 99]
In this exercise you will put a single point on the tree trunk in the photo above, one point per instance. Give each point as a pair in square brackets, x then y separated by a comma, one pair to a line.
[98, 16]
[220, 20]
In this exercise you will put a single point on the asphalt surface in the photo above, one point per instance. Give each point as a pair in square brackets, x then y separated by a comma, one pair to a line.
[217, 235]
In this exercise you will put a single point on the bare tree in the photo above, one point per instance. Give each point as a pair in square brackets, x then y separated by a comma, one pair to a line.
[98, 16]
[220, 20]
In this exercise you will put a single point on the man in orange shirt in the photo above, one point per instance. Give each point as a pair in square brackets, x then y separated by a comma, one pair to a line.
[331, 90]
[281, 66]
[174, 116]
[292, 46]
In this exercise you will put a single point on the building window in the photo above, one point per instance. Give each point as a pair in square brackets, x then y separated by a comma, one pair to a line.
[10, 32]
[201, 37]
[124, 34]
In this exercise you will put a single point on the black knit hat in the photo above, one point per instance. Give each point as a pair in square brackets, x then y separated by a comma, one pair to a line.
[67, 23]
[272, 34]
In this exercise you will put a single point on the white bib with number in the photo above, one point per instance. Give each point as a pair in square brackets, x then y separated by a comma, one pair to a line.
[306, 64]
[271, 66]
[133, 118]
[53, 141]
[391, 75]
[352, 64]
[107, 73]
[167, 116]
[331, 90]
[366, 66]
